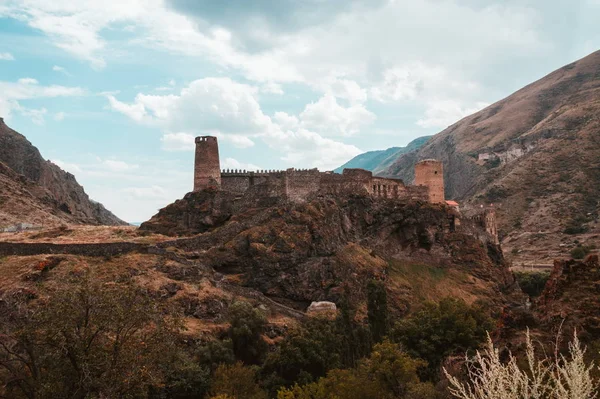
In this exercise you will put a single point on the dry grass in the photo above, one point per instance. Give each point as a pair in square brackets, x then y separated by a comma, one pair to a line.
[418, 283]
[71, 234]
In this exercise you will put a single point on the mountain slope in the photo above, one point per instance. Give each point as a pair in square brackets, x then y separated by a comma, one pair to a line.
[37, 191]
[377, 161]
[534, 154]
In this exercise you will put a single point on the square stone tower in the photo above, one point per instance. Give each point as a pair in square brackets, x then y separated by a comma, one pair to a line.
[207, 167]
[430, 173]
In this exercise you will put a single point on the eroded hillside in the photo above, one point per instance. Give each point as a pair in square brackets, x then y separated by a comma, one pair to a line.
[36, 191]
[536, 156]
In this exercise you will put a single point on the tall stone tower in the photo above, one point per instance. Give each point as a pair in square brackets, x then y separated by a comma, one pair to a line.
[207, 168]
[430, 173]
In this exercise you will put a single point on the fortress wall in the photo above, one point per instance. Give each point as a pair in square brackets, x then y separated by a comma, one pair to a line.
[273, 187]
[300, 184]
[335, 184]
[238, 183]
[388, 188]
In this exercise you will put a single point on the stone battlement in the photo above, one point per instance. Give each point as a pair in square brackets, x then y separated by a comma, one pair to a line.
[248, 173]
[300, 185]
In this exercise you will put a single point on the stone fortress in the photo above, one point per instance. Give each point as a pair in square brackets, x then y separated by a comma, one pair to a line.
[298, 185]
[267, 187]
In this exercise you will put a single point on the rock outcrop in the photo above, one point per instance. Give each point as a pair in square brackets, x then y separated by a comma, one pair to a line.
[37, 191]
[196, 213]
[330, 247]
[571, 297]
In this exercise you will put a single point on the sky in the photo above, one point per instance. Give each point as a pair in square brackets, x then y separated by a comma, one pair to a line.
[115, 91]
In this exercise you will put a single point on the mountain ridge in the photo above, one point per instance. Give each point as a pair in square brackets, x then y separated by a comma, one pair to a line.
[378, 160]
[534, 154]
[35, 190]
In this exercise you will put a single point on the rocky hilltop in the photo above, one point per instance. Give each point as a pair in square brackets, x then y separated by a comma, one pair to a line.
[315, 251]
[535, 155]
[36, 191]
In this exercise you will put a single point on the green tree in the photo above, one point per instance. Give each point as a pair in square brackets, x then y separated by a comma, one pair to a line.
[247, 325]
[355, 338]
[532, 283]
[439, 330]
[236, 381]
[307, 352]
[377, 311]
[86, 339]
[387, 373]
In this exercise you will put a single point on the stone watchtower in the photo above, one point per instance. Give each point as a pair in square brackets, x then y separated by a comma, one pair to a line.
[430, 173]
[207, 168]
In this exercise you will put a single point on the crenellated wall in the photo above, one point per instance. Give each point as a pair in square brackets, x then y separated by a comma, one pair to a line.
[299, 185]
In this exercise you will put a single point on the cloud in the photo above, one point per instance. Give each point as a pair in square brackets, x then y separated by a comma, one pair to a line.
[60, 69]
[239, 141]
[305, 148]
[230, 163]
[206, 105]
[441, 114]
[347, 89]
[135, 111]
[230, 111]
[27, 81]
[59, 116]
[36, 115]
[6, 57]
[13, 96]
[118, 166]
[327, 117]
[271, 88]
[69, 167]
[177, 142]
[146, 193]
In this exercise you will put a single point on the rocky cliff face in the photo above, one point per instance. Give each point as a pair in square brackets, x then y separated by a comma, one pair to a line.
[535, 155]
[329, 247]
[570, 297]
[38, 191]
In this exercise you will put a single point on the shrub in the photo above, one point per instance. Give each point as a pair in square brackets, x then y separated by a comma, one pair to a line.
[387, 373]
[90, 340]
[579, 252]
[247, 325]
[439, 330]
[532, 283]
[236, 381]
[491, 378]
[306, 353]
[377, 311]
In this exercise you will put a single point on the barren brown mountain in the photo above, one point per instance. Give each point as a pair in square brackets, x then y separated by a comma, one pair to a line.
[536, 156]
[36, 191]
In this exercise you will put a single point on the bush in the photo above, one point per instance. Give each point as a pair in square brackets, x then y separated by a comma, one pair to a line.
[490, 377]
[579, 252]
[387, 373]
[236, 381]
[90, 340]
[439, 330]
[532, 283]
[377, 311]
[306, 353]
[247, 325]
[319, 345]
[576, 226]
